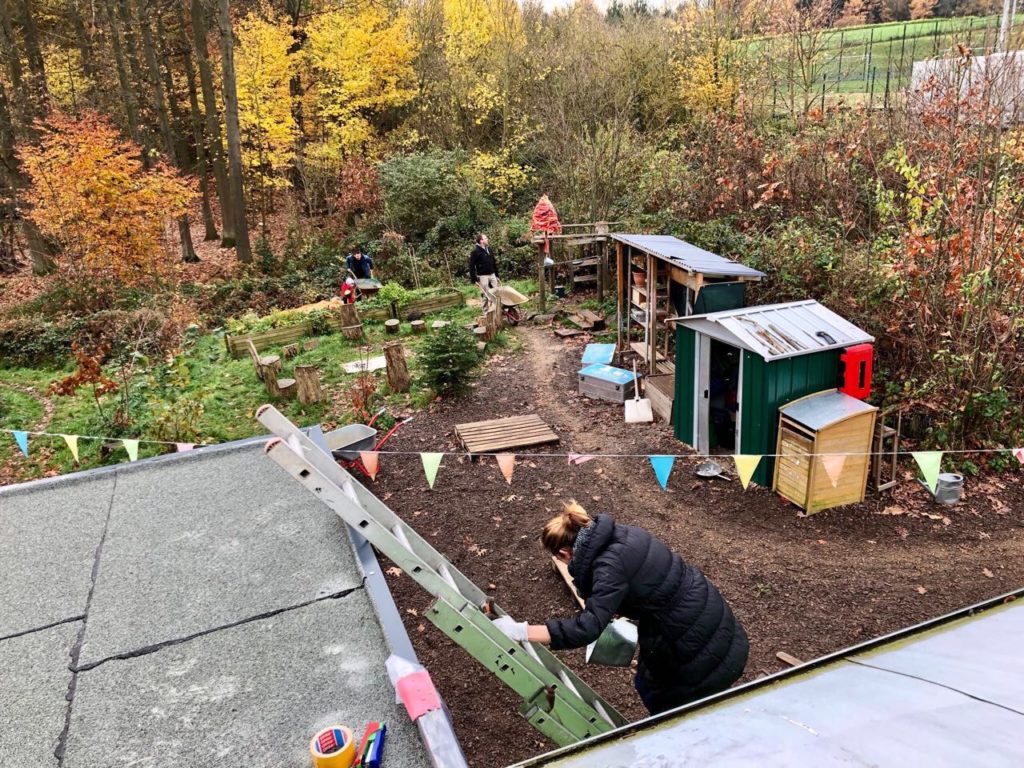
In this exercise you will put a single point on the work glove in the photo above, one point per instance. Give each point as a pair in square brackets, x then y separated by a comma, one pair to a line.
[516, 630]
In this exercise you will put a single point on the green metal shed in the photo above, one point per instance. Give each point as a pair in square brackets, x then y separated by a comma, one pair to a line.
[735, 369]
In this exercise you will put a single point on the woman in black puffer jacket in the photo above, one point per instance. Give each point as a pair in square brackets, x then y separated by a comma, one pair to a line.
[691, 644]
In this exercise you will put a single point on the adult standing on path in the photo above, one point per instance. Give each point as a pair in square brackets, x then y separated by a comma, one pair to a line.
[484, 270]
[691, 644]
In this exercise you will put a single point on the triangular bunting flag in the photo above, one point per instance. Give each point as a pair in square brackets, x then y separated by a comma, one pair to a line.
[833, 467]
[132, 446]
[431, 461]
[506, 463]
[371, 463]
[72, 441]
[580, 458]
[745, 466]
[662, 466]
[182, 447]
[929, 462]
[21, 438]
[1018, 453]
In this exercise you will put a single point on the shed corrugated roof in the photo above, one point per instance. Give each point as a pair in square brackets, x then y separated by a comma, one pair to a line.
[778, 331]
[825, 408]
[688, 256]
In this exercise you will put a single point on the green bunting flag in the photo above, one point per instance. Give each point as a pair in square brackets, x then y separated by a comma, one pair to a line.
[929, 462]
[431, 461]
[132, 446]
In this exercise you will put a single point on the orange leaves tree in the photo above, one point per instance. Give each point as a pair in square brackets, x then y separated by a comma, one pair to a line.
[90, 193]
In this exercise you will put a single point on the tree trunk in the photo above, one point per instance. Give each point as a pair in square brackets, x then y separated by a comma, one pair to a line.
[34, 56]
[125, 83]
[136, 77]
[307, 381]
[188, 252]
[84, 42]
[10, 47]
[177, 119]
[398, 371]
[200, 41]
[237, 192]
[202, 168]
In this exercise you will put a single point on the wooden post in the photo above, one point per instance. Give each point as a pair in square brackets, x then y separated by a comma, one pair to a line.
[602, 269]
[350, 324]
[418, 326]
[307, 381]
[541, 282]
[621, 274]
[391, 326]
[398, 371]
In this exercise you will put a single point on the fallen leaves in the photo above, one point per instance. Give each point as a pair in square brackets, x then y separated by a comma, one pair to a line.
[922, 591]
[394, 571]
[987, 573]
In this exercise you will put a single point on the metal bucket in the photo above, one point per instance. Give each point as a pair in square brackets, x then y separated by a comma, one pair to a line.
[560, 291]
[949, 487]
[615, 646]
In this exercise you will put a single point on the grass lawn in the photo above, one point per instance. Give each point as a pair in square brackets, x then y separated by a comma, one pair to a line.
[210, 398]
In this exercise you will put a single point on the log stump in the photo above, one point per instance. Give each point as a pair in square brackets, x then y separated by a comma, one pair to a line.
[438, 324]
[398, 371]
[391, 326]
[310, 344]
[351, 326]
[307, 381]
[418, 326]
[278, 388]
[481, 333]
[289, 351]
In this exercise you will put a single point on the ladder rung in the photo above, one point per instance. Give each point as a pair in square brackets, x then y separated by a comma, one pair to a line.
[402, 538]
[447, 576]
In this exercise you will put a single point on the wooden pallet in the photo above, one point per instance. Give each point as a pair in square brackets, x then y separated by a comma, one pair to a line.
[502, 434]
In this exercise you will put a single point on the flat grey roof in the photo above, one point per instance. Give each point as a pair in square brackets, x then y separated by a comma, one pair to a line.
[687, 256]
[824, 408]
[778, 331]
[211, 609]
[952, 695]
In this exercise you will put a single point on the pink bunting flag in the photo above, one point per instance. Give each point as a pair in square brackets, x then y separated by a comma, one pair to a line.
[370, 461]
[576, 459]
[1018, 454]
[507, 463]
[833, 467]
[182, 447]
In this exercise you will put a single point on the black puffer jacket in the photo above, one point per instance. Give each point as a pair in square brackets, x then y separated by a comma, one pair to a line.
[690, 643]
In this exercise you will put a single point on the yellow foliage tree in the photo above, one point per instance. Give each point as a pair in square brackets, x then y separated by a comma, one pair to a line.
[90, 193]
[265, 68]
[360, 59]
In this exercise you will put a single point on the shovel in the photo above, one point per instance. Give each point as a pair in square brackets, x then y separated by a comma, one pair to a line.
[638, 410]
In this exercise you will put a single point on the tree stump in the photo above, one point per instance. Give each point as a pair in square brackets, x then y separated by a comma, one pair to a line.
[391, 326]
[398, 371]
[307, 381]
[350, 323]
[481, 332]
[310, 344]
[418, 326]
[289, 351]
[438, 324]
[278, 388]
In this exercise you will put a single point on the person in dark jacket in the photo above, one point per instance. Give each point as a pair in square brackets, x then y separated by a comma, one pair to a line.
[691, 645]
[483, 270]
[360, 264]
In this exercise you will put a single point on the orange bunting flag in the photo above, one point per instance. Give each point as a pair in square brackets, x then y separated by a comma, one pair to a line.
[370, 461]
[507, 463]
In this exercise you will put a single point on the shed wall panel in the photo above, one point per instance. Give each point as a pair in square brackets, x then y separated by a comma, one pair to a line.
[686, 353]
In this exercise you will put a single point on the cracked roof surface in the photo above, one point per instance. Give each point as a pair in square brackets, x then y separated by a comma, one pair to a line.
[197, 610]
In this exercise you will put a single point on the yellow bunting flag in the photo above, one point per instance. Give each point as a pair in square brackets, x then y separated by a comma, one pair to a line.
[72, 441]
[132, 446]
[745, 466]
[431, 461]
[833, 467]
[371, 462]
[507, 463]
[929, 462]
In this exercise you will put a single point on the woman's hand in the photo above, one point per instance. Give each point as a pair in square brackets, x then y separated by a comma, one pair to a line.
[516, 630]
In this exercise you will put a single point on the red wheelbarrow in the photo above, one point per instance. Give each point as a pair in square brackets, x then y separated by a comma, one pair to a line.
[348, 442]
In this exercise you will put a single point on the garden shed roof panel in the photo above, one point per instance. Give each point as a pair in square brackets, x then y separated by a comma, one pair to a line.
[824, 409]
[687, 256]
[778, 331]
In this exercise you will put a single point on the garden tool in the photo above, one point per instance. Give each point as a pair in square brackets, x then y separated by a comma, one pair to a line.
[638, 409]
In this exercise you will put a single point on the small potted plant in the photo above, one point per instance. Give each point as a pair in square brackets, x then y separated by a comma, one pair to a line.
[639, 278]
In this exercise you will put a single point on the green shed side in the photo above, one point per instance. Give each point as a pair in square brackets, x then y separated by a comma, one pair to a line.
[682, 404]
[767, 387]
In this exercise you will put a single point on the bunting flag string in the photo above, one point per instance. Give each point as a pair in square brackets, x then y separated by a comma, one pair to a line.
[662, 466]
[431, 461]
[507, 464]
[929, 462]
[745, 467]
[370, 463]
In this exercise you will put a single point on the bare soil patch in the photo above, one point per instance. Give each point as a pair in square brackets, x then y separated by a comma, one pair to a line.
[806, 585]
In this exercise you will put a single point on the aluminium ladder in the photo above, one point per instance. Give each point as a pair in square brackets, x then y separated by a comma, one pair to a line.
[556, 702]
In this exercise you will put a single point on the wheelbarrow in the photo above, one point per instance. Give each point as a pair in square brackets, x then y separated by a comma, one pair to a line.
[349, 442]
[510, 300]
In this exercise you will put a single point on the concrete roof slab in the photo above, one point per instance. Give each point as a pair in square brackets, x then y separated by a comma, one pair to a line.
[251, 695]
[206, 541]
[48, 539]
[34, 679]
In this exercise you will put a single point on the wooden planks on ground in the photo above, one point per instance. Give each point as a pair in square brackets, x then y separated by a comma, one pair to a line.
[503, 434]
[563, 570]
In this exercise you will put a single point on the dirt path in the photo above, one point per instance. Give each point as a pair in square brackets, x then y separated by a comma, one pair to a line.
[808, 586]
[45, 402]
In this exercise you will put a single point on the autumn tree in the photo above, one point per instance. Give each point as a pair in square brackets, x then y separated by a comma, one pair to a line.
[91, 194]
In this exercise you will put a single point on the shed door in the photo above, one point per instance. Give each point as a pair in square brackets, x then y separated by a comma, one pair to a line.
[703, 393]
